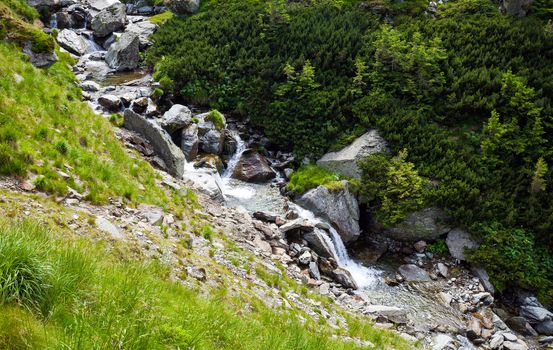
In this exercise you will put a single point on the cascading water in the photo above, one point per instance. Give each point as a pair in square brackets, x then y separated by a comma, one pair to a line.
[240, 148]
[54, 21]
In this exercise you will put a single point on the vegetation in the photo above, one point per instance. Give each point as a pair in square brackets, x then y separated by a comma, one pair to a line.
[216, 118]
[161, 18]
[312, 176]
[466, 92]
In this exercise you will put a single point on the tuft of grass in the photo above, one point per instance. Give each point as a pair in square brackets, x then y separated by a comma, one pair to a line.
[312, 176]
[216, 118]
[161, 18]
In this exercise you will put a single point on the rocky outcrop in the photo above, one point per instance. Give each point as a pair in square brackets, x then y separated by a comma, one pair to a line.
[123, 55]
[160, 140]
[183, 7]
[339, 207]
[176, 118]
[39, 59]
[457, 241]
[517, 8]
[344, 162]
[253, 167]
[72, 42]
[212, 142]
[315, 240]
[143, 30]
[109, 20]
[427, 225]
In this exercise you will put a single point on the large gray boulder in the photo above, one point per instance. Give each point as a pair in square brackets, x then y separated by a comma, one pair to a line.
[426, 225]
[517, 8]
[177, 117]
[212, 142]
[144, 30]
[457, 241]
[73, 42]
[190, 141]
[109, 20]
[338, 207]
[160, 140]
[99, 5]
[183, 7]
[253, 167]
[344, 162]
[123, 55]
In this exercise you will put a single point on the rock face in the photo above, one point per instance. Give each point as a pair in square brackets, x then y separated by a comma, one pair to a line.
[108, 20]
[340, 208]
[427, 224]
[517, 8]
[160, 140]
[413, 273]
[253, 167]
[144, 30]
[123, 55]
[177, 117]
[345, 161]
[183, 7]
[72, 42]
[457, 241]
[39, 59]
[190, 141]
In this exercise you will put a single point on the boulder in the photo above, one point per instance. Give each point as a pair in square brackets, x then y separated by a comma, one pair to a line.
[442, 341]
[344, 277]
[338, 207]
[39, 59]
[210, 161]
[177, 117]
[345, 161]
[212, 142]
[484, 278]
[318, 243]
[45, 4]
[144, 30]
[253, 167]
[230, 145]
[413, 273]
[545, 328]
[520, 325]
[106, 226]
[208, 181]
[297, 224]
[90, 86]
[183, 7]
[392, 313]
[110, 102]
[99, 5]
[109, 19]
[123, 55]
[427, 224]
[190, 141]
[159, 139]
[535, 314]
[517, 8]
[457, 241]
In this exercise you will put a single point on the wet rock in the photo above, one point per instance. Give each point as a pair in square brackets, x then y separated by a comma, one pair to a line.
[39, 59]
[210, 161]
[177, 117]
[160, 140]
[316, 241]
[109, 19]
[72, 42]
[413, 273]
[427, 224]
[110, 102]
[545, 328]
[344, 277]
[190, 143]
[253, 167]
[345, 161]
[212, 142]
[314, 270]
[230, 145]
[123, 55]
[339, 207]
[143, 30]
[208, 182]
[457, 241]
[183, 7]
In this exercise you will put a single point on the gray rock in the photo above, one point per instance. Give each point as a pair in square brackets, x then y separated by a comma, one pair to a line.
[427, 224]
[344, 277]
[517, 8]
[183, 7]
[190, 142]
[39, 59]
[208, 182]
[305, 258]
[297, 224]
[123, 55]
[518, 345]
[545, 328]
[212, 142]
[496, 342]
[99, 5]
[161, 141]
[484, 278]
[106, 226]
[177, 117]
[442, 341]
[339, 207]
[510, 337]
[345, 161]
[152, 214]
[413, 273]
[535, 314]
[392, 313]
[144, 30]
[442, 269]
[253, 167]
[90, 85]
[316, 241]
[109, 19]
[520, 325]
[457, 241]
[72, 42]
[314, 270]
[110, 102]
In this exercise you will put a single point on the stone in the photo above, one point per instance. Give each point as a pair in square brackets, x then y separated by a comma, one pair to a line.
[317, 242]
[177, 117]
[474, 329]
[208, 182]
[109, 20]
[484, 297]
[420, 246]
[143, 30]
[457, 241]
[344, 277]
[110, 102]
[183, 7]
[153, 214]
[518, 345]
[535, 314]
[545, 328]
[123, 54]
[39, 59]
[324, 288]
[314, 270]
[305, 258]
[519, 324]
[442, 341]
[263, 245]
[484, 278]
[344, 162]
[212, 142]
[510, 337]
[392, 313]
[338, 207]
[443, 270]
[99, 5]
[190, 143]
[90, 86]
[427, 224]
[445, 298]
[159, 138]
[413, 273]
[43, 4]
[496, 342]
[106, 226]
[210, 161]
[72, 42]
[517, 8]
[253, 167]
[297, 224]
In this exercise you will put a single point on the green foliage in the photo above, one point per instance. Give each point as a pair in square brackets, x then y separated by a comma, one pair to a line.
[216, 118]
[161, 18]
[438, 247]
[310, 176]
[16, 25]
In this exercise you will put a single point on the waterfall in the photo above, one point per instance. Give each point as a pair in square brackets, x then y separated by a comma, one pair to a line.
[364, 276]
[240, 148]
[54, 21]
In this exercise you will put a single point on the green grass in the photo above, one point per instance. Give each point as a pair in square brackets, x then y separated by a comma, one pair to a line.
[312, 176]
[161, 18]
[77, 295]
[216, 118]
[16, 25]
